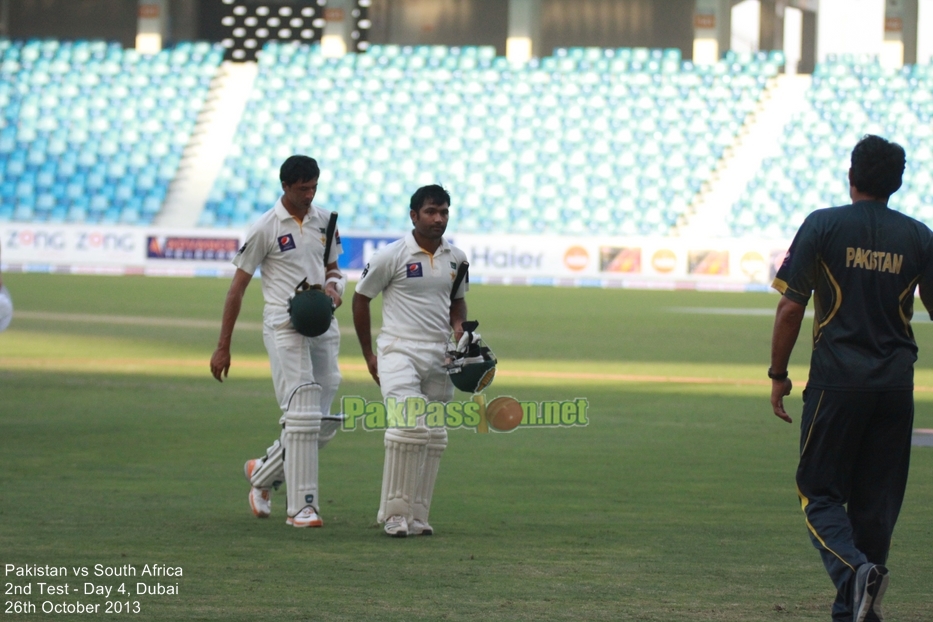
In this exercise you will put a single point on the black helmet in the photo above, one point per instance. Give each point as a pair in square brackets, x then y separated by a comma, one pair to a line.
[471, 365]
[311, 310]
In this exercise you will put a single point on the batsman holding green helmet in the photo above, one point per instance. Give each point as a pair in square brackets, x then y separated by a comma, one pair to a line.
[295, 245]
[422, 301]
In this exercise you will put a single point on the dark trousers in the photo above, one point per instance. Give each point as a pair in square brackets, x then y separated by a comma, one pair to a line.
[854, 458]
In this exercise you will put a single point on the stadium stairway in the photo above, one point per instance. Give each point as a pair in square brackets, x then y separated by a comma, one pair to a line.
[590, 140]
[760, 138]
[851, 95]
[204, 155]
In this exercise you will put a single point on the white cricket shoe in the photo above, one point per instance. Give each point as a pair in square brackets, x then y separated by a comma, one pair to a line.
[260, 499]
[260, 502]
[397, 526]
[305, 518]
[421, 528]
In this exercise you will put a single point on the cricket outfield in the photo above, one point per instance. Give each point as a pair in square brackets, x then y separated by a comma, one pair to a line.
[675, 502]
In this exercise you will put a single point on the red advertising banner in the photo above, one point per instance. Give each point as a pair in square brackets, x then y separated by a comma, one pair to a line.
[198, 249]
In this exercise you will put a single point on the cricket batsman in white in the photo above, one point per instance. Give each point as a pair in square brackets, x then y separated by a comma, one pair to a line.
[416, 276]
[288, 244]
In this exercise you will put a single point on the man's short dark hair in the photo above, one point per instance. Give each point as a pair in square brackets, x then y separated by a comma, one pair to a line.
[299, 168]
[877, 166]
[434, 193]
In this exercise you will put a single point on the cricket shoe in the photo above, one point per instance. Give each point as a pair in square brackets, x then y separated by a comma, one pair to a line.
[305, 518]
[871, 581]
[397, 526]
[421, 528]
[260, 499]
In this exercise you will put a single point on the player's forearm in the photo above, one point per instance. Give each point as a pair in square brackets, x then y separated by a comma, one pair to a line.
[362, 323]
[232, 306]
[458, 314]
[787, 323]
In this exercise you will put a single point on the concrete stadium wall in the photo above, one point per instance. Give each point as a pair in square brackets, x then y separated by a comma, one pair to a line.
[113, 20]
[440, 22]
[617, 23]
[564, 23]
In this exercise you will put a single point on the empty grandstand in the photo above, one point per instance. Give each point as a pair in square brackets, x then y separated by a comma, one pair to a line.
[633, 142]
[587, 141]
[91, 132]
[849, 97]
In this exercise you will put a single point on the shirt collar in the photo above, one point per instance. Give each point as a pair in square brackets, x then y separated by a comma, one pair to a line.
[871, 202]
[282, 214]
[413, 246]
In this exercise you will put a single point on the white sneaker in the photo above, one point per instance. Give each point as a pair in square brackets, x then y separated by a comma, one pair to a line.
[421, 528]
[260, 502]
[305, 518]
[260, 499]
[397, 526]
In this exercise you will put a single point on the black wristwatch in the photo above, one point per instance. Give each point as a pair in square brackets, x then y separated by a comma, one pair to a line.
[774, 376]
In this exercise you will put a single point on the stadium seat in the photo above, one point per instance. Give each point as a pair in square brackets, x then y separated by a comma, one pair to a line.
[850, 95]
[379, 125]
[89, 110]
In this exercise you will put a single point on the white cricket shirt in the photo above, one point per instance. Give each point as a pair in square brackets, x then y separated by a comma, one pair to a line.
[415, 287]
[287, 252]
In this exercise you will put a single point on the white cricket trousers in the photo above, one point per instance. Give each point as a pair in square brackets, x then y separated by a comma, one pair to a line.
[296, 359]
[409, 368]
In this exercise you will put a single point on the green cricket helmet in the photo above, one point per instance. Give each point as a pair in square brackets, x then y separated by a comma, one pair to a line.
[311, 310]
[471, 365]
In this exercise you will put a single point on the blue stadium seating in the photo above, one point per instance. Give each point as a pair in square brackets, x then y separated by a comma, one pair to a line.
[90, 132]
[589, 140]
[850, 97]
[585, 141]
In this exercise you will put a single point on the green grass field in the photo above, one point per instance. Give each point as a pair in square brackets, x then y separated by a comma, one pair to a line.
[677, 502]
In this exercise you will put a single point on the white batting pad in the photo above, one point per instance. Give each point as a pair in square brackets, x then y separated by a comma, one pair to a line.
[400, 472]
[430, 464]
[302, 427]
[271, 473]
